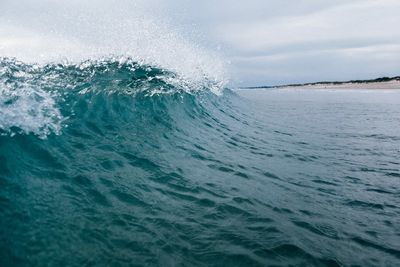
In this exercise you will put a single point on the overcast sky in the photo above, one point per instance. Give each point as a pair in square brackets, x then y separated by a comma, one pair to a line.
[284, 41]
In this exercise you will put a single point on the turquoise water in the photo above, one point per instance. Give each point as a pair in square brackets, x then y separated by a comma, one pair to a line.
[114, 164]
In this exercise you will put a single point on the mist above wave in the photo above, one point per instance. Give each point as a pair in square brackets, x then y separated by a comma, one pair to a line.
[52, 31]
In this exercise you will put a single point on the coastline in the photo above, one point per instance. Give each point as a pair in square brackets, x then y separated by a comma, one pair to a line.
[376, 84]
[370, 86]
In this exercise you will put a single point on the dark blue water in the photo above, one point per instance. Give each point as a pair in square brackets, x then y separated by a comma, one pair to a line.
[110, 164]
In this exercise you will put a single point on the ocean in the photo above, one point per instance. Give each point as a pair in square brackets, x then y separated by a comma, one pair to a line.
[117, 163]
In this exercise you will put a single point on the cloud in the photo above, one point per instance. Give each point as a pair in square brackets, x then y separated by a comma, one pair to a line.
[316, 45]
[367, 20]
[266, 41]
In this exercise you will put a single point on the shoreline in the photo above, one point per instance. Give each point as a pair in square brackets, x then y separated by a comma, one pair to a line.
[378, 85]
[344, 86]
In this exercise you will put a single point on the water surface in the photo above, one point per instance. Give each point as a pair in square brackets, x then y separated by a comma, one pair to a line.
[113, 165]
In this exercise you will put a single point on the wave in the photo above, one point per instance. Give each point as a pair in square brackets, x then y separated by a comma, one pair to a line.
[40, 99]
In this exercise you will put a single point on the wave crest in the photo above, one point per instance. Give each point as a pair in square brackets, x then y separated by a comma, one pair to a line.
[31, 95]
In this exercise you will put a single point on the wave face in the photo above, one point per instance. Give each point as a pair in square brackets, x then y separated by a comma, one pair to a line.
[114, 162]
[29, 92]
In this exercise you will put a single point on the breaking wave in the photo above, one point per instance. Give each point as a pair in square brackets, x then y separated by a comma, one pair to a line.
[39, 99]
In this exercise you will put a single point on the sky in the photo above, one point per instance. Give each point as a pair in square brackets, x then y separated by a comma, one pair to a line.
[269, 42]
[285, 41]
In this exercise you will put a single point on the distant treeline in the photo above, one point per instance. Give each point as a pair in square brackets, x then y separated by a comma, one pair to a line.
[377, 80]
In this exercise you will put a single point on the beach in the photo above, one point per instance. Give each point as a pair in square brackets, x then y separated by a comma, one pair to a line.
[373, 85]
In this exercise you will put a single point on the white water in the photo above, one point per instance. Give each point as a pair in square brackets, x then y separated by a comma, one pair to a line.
[28, 110]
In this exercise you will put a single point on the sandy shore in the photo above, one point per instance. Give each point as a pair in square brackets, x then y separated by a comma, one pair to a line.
[374, 85]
